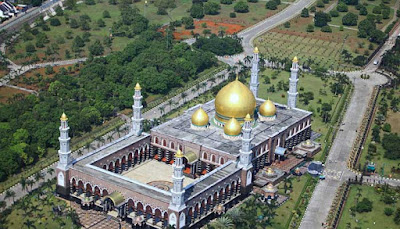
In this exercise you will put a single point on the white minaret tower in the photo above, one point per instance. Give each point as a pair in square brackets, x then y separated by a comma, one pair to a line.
[292, 93]
[137, 119]
[254, 73]
[178, 201]
[64, 152]
[245, 151]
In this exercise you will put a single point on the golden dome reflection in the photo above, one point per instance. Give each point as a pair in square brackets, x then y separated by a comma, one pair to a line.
[232, 127]
[267, 109]
[64, 117]
[200, 117]
[235, 100]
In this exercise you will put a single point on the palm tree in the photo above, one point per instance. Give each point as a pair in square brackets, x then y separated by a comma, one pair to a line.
[118, 130]
[79, 152]
[170, 102]
[22, 181]
[183, 96]
[110, 138]
[29, 223]
[30, 183]
[161, 109]
[247, 59]
[223, 222]
[51, 170]
[236, 215]
[10, 194]
[38, 176]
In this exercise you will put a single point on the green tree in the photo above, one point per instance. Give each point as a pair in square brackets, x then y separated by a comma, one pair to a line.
[342, 7]
[211, 8]
[96, 49]
[304, 13]
[30, 48]
[271, 5]
[227, 2]
[310, 28]
[350, 19]
[106, 14]
[197, 11]
[321, 19]
[241, 7]
[55, 22]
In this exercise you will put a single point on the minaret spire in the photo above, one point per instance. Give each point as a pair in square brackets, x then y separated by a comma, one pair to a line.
[245, 151]
[254, 73]
[178, 201]
[137, 119]
[292, 93]
[64, 152]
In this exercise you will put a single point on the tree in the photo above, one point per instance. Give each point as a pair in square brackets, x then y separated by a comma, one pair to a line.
[271, 5]
[90, 2]
[55, 22]
[59, 11]
[70, 4]
[363, 10]
[73, 23]
[387, 127]
[351, 2]
[334, 13]
[397, 216]
[326, 29]
[304, 13]
[350, 19]
[325, 112]
[342, 7]
[320, 4]
[321, 19]
[377, 10]
[365, 205]
[360, 60]
[197, 11]
[241, 7]
[101, 23]
[365, 27]
[188, 22]
[376, 133]
[10, 194]
[390, 144]
[30, 48]
[211, 8]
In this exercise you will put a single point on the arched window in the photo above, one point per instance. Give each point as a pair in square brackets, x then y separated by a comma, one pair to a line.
[213, 158]
[172, 145]
[204, 155]
[221, 161]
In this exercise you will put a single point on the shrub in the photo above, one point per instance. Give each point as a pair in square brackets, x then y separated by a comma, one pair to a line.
[313, 9]
[73, 23]
[359, 60]
[196, 11]
[342, 7]
[388, 211]
[241, 7]
[363, 10]
[30, 48]
[55, 22]
[304, 13]
[377, 10]
[271, 5]
[334, 13]
[90, 2]
[326, 29]
[188, 22]
[106, 14]
[287, 24]
[226, 2]
[253, 1]
[387, 127]
[310, 28]
[211, 8]
[101, 23]
[365, 205]
[59, 11]
[232, 15]
[320, 4]
[49, 70]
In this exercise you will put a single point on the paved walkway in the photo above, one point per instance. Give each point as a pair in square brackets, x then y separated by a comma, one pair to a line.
[325, 192]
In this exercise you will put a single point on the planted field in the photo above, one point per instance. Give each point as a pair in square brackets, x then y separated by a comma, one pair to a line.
[8, 94]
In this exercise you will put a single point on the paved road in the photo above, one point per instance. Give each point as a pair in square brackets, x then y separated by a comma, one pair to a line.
[325, 192]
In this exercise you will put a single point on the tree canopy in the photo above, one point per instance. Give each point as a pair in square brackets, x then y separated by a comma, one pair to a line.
[219, 46]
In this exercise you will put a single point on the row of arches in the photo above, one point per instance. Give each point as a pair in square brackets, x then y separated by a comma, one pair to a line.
[223, 195]
[300, 127]
[126, 161]
[213, 158]
[168, 144]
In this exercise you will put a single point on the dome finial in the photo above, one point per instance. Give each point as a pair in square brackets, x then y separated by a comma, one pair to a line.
[179, 154]
[64, 117]
[237, 76]
[256, 50]
[138, 87]
[247, 118]
[295, 60]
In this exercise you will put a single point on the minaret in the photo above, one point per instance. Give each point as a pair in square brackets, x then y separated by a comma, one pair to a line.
[64, 152]
[137, 119]
[178, 201]
[254, 73]
[292, 93]
[245, 151]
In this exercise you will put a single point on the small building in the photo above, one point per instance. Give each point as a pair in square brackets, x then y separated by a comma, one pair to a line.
[306, 148]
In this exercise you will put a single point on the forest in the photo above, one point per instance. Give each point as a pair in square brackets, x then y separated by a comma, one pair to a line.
[103, 86]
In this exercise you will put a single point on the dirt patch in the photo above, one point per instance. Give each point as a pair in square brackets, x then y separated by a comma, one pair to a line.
[394, 120]
[201, 25]
[7, 93]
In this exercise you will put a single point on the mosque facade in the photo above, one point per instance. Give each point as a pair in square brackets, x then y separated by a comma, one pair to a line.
[190, 168]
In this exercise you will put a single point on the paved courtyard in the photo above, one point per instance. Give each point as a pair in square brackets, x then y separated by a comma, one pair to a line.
[160, 177]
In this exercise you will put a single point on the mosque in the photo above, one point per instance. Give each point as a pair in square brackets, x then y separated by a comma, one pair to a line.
[192, 167]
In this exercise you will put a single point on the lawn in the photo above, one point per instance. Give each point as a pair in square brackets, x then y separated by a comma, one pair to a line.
[36, 211]
[384, 166]
[376, 219]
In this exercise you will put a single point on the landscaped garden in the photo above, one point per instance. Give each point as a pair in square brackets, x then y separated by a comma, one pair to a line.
[371, 207]
[40, 209]
[340, 44]
[381, 146]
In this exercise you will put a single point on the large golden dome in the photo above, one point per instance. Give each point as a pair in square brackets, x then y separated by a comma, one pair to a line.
[235, 100]
[232, 127]
[200, 117]
[267, 109]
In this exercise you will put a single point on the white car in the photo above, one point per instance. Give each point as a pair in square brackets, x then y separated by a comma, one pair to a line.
[376, 62]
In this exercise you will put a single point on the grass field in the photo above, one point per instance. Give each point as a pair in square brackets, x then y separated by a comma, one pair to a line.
[380, 161]
[8, 93]
[376, 219]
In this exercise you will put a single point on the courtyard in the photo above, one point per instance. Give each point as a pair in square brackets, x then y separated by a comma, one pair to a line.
[155, 173]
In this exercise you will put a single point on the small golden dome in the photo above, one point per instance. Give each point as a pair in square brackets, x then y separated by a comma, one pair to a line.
[235, 100]
[256, 50]
[179, 153]
[295, 59]
[232, 127]
[64, 117]
[267, 109]
[247, 118]
[138, 87]
[200, 117]
[270, 171]
[270, 188]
